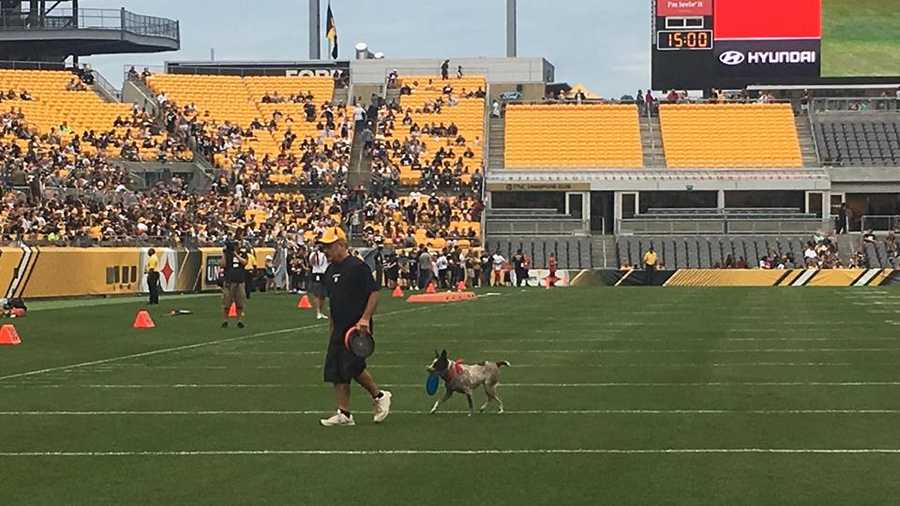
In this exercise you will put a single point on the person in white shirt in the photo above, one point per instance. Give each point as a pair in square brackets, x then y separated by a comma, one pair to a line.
[318, 264]
[359, 113]
[497, 261]
[810, 256]
[495, 109]
[442, 264]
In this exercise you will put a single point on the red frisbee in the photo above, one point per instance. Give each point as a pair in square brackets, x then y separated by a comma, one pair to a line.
[359, 342]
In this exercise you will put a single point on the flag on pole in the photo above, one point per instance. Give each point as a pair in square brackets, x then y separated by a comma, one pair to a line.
[331, 33]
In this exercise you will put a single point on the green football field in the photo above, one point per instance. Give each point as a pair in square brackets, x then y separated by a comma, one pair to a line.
[615, 396]
[860, 38]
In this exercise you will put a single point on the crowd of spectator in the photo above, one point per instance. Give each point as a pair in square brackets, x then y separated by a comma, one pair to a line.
[820, 252]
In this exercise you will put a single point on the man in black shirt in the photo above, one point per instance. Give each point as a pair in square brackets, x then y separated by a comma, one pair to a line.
[518, 261]
[353, 297]
[233, 283]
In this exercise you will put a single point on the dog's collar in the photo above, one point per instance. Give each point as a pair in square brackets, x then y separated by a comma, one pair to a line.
[455, 369]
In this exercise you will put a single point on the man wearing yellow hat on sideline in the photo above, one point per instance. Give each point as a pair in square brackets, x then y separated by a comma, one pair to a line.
[353, 297]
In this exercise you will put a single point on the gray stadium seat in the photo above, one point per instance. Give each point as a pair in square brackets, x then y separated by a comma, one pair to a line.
[705, 246]
[882, 253]
[622, 252]
[671, 254]
[762, 249]
[634, 248]
[871, 256]
[693, 252]
[681, 256]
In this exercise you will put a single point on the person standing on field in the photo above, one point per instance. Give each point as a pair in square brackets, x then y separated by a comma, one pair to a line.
[353, 298]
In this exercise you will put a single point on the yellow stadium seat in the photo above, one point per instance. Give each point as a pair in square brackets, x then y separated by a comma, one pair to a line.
[729, 136]
[572, 136]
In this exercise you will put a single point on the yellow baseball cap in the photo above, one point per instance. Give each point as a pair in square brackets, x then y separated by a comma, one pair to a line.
[332, 235]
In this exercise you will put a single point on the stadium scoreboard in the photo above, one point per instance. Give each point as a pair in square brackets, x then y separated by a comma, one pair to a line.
[731, 44]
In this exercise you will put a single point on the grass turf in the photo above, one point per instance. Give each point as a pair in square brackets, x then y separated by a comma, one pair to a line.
[861, 38]
[631, 370]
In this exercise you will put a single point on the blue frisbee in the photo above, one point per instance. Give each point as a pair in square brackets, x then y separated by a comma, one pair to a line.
[431, 386]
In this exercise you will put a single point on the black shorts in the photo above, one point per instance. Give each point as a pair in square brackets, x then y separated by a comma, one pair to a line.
[341, 365]
[317, 285]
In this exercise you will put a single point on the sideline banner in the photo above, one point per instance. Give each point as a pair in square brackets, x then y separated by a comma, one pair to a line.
[744, 277]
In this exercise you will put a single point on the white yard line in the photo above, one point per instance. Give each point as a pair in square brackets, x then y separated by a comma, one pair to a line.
[459, 412]
[417, 366]
[533, 451]
[176, 349]
[585, 351]
[235, 386]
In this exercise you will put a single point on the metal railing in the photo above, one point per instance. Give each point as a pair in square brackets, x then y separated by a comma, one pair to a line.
[93, 19]
[106, 86]
[855, 104]
[573, 226]
[31, 65]
[139, 68]
[815, 138]
[416, 72]
[720, 226]
[881, 223]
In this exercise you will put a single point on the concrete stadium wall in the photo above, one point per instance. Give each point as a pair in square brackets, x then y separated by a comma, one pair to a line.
[47, 272]
[496, 70]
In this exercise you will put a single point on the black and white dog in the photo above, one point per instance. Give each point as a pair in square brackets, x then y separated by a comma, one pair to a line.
[462, 378]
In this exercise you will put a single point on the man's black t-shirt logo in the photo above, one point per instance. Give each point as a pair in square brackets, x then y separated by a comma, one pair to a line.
[335, 278]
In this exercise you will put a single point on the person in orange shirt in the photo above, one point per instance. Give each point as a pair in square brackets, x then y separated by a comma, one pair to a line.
[551, 265]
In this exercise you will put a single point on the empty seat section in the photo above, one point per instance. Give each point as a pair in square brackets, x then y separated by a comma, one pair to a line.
[693, 252]
[847, 140]
[730, 136]
[681, 255]
[572, 136]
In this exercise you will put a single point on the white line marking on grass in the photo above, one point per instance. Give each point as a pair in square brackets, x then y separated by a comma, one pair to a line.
[176, 349]
[533, 451]
[407, 342]
[696, 350]
[236, 386]
[460, 412]
[586, 351]
[550, 366]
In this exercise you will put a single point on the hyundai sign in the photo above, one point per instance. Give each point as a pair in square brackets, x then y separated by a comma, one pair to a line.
[739, 43]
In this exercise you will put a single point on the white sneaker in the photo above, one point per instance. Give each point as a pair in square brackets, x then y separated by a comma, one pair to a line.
[338, 420]
[320, 316]
[382, 407]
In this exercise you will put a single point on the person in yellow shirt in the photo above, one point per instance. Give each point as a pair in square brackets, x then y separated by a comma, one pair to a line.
[152, 270]
[650, 262]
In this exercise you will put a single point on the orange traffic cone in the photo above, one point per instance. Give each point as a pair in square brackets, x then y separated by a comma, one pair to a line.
[8, 335]
[232, 311]
[303, 303]
[430, 288]
[398, 292]
[143, 320]
[461, 286]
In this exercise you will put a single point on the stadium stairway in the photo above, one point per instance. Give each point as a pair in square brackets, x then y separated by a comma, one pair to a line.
[392, 95]
[807, 144]
[651, 142]
[603, 252]
[496, 144]
[137, 92]
[341, 95]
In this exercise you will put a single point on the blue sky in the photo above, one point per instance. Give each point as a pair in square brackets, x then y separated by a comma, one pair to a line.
[601, 43]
